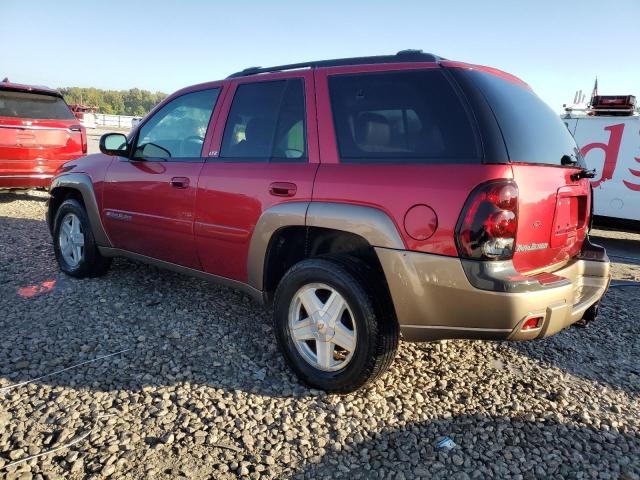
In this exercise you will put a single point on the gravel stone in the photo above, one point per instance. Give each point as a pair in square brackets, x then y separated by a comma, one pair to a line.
[202, 391]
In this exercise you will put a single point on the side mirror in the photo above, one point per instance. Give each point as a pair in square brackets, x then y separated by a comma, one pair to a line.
[114, 144]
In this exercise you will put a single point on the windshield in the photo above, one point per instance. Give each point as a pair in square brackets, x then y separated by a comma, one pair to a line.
[533, 133]
[33, 105]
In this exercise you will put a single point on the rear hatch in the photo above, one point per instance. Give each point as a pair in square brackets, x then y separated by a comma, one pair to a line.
[553, 207]
[37, 126]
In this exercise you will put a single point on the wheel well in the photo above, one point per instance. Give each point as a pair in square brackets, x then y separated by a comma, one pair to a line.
[57, 196]
[290, 245]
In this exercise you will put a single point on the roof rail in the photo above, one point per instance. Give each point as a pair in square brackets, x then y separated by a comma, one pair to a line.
[400, 57]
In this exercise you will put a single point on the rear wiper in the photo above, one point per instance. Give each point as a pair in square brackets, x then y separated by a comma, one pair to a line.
[583, 173]
[566, 160]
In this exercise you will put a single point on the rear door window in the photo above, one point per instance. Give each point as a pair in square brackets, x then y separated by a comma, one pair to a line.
[532, 131]
[401, 117]
[266, 123]
[33, 105]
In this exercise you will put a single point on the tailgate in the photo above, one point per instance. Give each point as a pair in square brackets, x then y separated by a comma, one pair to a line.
[37, 125]
[553, 215]
[33, 139]
[30, 137]
[553, 209]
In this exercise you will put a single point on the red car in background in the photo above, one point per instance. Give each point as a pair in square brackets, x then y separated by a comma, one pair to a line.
[38, 133]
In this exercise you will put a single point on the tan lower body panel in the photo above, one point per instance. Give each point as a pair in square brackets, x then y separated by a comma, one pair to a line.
[434, 300]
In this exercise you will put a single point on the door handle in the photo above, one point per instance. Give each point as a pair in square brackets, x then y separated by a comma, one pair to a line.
[283, 189]
[179, 182]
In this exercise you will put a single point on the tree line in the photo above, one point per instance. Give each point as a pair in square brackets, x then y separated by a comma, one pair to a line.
[116, 102]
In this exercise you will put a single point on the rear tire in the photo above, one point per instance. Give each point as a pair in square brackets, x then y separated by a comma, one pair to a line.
[73, 242]
[363, 340]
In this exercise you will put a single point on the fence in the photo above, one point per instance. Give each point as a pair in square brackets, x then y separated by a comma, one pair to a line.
[116, 121]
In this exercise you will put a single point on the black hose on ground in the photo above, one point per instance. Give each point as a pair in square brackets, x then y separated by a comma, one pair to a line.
[620, 284]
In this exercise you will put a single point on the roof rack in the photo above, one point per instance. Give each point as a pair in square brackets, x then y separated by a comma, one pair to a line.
[400, 57]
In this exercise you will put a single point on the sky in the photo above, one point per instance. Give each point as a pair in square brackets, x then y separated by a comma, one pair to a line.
[556, 46]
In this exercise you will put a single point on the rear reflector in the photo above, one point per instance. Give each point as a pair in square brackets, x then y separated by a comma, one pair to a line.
[532, 323]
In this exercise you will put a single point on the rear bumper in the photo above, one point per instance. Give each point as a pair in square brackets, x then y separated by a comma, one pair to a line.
[437, 297]
[26, 180]
[29, 173]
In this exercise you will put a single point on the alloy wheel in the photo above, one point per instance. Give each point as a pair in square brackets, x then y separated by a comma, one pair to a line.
[71, 240]
[322, 327]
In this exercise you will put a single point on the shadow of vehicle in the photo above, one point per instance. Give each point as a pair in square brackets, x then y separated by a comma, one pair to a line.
[486, 447]
[14, 195]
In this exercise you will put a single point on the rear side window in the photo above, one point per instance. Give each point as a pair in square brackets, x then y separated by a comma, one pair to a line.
[266, 123]
[33, 105]
[533, 133]
[401, 117]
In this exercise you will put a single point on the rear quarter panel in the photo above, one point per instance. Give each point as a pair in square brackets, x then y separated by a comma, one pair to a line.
[394, 189]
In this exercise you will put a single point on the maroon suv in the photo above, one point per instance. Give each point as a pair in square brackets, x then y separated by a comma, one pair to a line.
[367, 199]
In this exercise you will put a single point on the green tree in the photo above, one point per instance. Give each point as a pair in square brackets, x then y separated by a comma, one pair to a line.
[118, 102]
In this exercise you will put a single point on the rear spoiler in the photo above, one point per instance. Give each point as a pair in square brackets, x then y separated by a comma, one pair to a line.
[14, 87]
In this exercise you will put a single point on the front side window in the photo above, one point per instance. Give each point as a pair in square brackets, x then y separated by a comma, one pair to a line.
[266, 123]
[178, 129]
[33, 105]
[401, 117]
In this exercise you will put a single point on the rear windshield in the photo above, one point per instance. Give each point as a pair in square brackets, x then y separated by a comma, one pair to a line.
[33, 105]
[401, 117]
[532, 131]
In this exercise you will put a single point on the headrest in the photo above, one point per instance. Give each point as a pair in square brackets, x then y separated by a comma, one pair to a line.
[372, 131]
[258, 130]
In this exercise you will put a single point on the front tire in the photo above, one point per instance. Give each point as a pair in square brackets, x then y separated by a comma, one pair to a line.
[73, 242]
[335, 324]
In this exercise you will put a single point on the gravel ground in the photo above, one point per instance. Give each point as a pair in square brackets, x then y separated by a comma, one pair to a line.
[202, 392]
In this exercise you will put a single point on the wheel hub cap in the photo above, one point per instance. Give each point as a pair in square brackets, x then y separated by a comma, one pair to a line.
[322, 327]
[71, 239]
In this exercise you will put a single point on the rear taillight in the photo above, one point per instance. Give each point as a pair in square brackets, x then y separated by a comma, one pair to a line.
[488, 223]
[83, 135]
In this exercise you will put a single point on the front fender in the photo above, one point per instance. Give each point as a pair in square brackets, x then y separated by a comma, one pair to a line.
[81, 183]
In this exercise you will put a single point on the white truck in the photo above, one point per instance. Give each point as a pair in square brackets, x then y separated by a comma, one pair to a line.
[609, 139]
